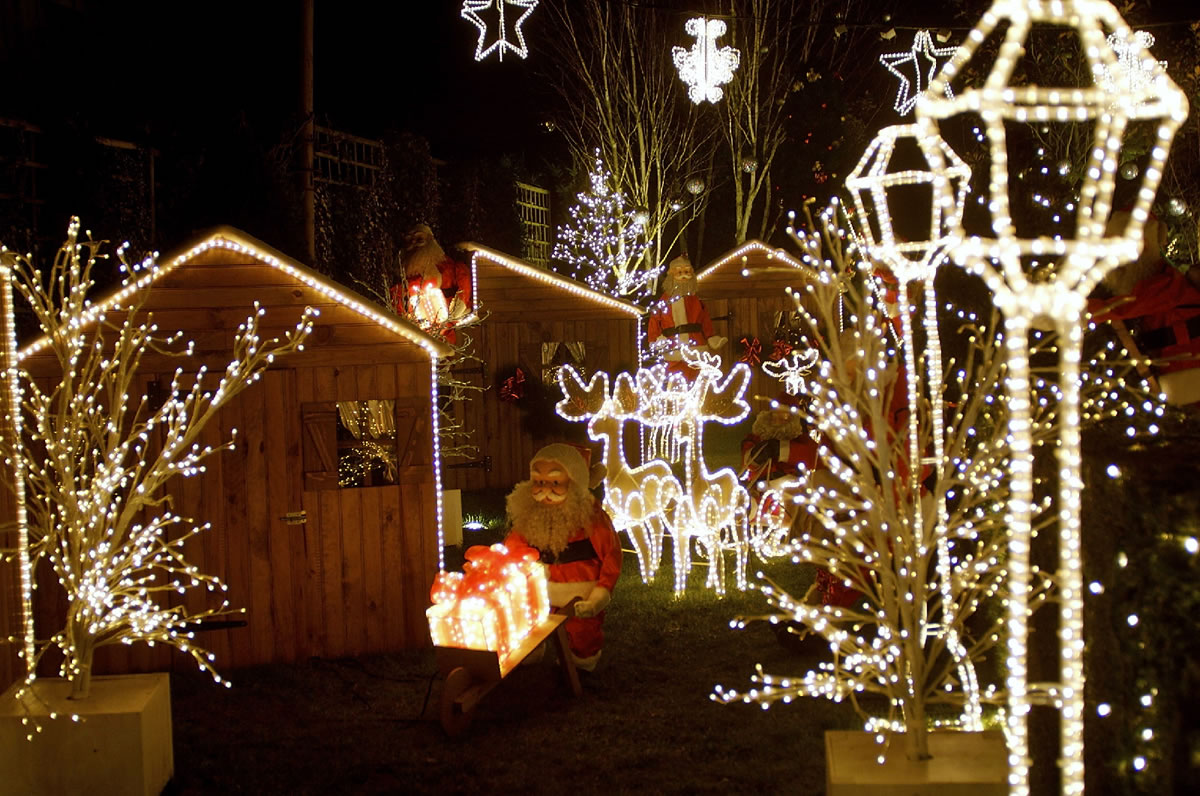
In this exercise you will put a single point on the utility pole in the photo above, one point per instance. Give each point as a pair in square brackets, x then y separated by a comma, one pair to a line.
[308, 134]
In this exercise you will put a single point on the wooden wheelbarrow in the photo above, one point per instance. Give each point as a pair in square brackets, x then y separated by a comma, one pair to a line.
[471, 674]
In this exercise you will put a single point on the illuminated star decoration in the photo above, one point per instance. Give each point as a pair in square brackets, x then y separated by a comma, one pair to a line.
[705, 67]
[1135, 69]
[922, 48]
[470, 12]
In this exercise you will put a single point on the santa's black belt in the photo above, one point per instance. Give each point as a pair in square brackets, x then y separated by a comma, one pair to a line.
[579, 550]
[687, 328]
[1158, 339]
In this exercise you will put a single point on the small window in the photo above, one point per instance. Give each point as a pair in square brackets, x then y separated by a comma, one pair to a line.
[366, 443]
[351, 444]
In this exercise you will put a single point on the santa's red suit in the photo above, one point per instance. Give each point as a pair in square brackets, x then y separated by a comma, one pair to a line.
[592, 558]
[766, 459]
[1169, 306]
[675, 320]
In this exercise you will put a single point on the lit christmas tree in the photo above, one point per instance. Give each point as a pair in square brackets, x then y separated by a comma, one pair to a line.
[605, 241]
[98, 456]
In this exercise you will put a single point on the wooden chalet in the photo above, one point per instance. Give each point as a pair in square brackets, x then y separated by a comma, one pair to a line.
[330, 546]
[743, 291]
[534, 321]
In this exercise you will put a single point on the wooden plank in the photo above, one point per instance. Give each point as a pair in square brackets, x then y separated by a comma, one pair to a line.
[372, 543]
[390, 507]
[353, 587]
[233, 527]
[212, 487]
[261, 612]
[302, 585]
[333, 600]
[414, 597]
[313, 604]
[287, 541]
[373, 572]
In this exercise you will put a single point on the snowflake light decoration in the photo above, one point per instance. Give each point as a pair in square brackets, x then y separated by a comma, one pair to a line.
[922, 49]
[1135, 69]
[471, 11]
[705, 67]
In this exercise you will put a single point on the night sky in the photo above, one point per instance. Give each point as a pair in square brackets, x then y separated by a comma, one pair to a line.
[132, 66]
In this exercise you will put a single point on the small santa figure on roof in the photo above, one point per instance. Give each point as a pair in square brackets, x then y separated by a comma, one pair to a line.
[680, 319]
[431, 287]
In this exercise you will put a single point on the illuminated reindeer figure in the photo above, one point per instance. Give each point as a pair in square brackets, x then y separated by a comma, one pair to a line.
[637, 498]
[714, 508]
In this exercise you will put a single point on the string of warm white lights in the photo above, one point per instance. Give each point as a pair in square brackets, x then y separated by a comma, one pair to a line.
[705, 67]
[1002, 256]
[94, 504]
[549, 277]
[472, 11]
[13, 458]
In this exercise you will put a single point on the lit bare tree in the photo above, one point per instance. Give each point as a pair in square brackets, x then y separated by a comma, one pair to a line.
[99, 453]
[620, 94]
[900, 620]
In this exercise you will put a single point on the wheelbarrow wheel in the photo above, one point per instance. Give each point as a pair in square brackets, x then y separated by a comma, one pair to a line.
[454, 719]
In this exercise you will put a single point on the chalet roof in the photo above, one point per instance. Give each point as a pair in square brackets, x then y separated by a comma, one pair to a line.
[549, 277]
[758, 256]
[238, 242]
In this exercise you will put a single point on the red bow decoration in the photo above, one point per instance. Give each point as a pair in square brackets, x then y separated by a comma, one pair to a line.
[780, 350]
[513, 388]
[482, 572]
[751, 351]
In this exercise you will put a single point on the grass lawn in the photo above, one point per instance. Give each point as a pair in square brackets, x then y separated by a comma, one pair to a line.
[644, 724]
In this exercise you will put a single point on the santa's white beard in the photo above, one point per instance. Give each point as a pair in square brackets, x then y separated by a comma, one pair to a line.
[548, 526]
[767, 427]
[424, 261]
[680, 287]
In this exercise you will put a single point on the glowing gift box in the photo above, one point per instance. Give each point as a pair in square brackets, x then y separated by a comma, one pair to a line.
[493, 604]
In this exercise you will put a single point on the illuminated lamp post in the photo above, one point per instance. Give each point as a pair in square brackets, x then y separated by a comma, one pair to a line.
[1006, 256]
[895, 175]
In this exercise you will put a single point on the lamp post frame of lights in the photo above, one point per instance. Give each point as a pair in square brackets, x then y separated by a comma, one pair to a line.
[878, 189]
[1082, 261]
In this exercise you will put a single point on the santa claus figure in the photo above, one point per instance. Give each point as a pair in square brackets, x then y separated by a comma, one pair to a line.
[1166, 306]
[680, 318]
[555, 513]
[779, 443]
[431, 287]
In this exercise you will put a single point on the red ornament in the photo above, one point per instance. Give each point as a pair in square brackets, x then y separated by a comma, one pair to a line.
[780, 350]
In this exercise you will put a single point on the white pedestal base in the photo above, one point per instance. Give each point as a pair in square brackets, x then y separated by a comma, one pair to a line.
[963, 763]
[121, 745]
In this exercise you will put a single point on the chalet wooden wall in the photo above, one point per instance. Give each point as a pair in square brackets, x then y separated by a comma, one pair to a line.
[524, 312]
[354, 577]
[752, 300]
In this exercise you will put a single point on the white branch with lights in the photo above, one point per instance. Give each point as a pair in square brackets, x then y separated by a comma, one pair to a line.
[98, 459]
